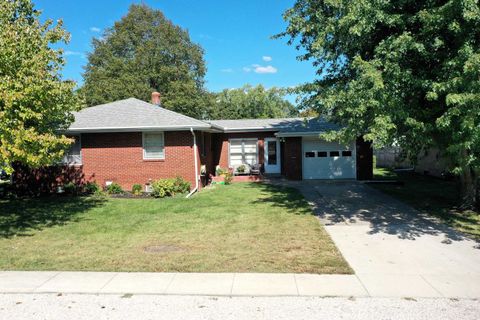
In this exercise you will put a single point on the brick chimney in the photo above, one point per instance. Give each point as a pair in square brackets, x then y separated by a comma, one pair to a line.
[156, 98]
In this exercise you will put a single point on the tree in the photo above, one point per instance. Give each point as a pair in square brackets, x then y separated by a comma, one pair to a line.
[251, 102]
[142, 53]
[405, 72]
[34, 101]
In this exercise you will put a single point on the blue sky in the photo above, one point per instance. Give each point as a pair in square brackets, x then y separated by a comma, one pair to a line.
[234, 34]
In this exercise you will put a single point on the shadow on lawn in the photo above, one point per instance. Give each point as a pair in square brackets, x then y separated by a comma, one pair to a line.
[284, 197]
[19, 216]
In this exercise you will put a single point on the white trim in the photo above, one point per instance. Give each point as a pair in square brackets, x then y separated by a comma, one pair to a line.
[265, 154]
[135, 129]
[143, 146]
[298, 134]
[72, 164]
[242, 139]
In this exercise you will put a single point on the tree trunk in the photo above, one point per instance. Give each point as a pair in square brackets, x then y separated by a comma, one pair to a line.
[470, 192]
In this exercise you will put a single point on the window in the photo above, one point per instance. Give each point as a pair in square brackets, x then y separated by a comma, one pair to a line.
[334, 153]
[271, 152]
[310, 154]
[74, 154]
[321, 154]
[243, 151]
[153, 145]
[346, 153]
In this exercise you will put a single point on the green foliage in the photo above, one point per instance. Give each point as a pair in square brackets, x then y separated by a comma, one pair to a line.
[91, 187]
[137, 189]
[220, 171]
[251, 103]
[241, 168]
[169, 187]
[71, 188]
[34, 101]
[403, 72]
[142, 53]
[114, 188]
[228, 178]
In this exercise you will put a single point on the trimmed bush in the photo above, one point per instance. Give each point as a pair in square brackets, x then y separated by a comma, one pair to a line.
[70, 188]
[169, 187]
[114, 188]
[91, 188]
[137, 189]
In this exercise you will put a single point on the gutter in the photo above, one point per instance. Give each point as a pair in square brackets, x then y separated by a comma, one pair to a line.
[196, 164]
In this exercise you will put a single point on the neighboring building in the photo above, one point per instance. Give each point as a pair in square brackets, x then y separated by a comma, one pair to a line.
[131, 141]
[429, 162]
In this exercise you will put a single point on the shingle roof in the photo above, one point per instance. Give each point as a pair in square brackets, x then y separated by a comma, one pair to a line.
[282, 125]
[131, 114]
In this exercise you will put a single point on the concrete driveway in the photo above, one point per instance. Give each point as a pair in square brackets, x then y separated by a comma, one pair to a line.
[394, 249]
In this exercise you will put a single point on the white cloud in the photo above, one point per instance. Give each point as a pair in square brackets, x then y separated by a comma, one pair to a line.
[227, 70]
[265, 69]
[95, 29]
[267, 58]
[75, 53]
[247, 69]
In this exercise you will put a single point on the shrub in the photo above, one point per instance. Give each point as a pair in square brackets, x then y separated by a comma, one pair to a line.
[220, 171]
[227, 179]
[91, 187]
[137, 189]
[169, 187]
[114, 188]
[70, 188]
[241, 168]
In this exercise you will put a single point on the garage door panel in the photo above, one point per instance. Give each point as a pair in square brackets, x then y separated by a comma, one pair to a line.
[320, 164]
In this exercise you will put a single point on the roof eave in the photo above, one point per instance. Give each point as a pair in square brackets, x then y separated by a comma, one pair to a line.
[299, 134]
[136, 129]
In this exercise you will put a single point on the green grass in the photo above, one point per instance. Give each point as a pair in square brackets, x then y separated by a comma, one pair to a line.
[237, 228]
[430, 195]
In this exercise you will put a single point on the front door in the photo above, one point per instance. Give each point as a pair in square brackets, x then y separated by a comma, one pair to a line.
[272, 155]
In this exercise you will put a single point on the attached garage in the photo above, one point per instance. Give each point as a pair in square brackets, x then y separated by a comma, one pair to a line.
[327, 160]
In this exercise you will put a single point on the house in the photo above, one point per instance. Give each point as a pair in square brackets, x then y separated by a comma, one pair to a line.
[131, 141]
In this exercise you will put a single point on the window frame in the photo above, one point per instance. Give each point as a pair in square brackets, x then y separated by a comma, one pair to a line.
[145, 157]
[257, 160]
[66, 155]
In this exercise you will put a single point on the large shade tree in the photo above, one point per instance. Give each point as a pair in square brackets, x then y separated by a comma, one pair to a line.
[403, 72]
[34, 101]
[142, 53]
[251, 102]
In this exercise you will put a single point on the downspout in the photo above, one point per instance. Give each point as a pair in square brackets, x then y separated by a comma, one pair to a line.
[196, 164]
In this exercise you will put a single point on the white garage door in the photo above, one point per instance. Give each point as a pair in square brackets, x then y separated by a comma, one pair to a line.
[328, 160]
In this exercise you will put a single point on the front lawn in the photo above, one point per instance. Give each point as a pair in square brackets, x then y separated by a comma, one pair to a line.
[432, 196]
[237, 228]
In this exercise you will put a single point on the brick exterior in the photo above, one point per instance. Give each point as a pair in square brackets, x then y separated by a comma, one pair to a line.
[118, 157]
[220, 145]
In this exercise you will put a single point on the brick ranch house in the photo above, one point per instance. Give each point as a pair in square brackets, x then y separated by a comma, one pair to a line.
[134, 142]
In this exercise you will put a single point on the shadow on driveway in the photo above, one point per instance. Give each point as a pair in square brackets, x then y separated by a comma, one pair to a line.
[350, 203]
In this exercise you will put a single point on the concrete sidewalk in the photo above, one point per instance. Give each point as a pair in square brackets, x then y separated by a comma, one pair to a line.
[228, 284]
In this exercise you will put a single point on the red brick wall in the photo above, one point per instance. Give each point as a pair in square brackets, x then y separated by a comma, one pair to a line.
[220, 148]
[292, 158]
[118, 157]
